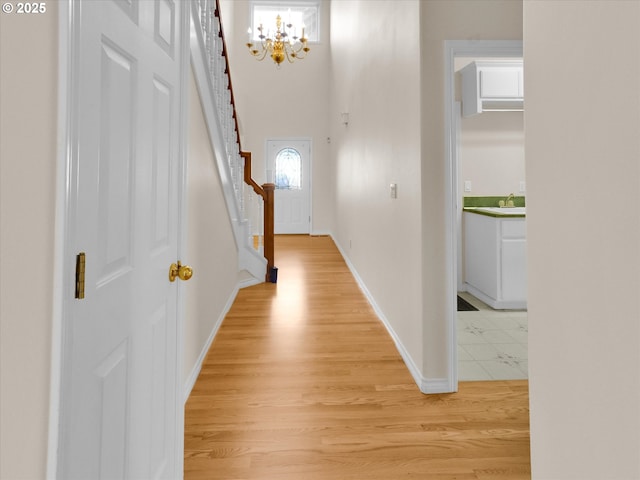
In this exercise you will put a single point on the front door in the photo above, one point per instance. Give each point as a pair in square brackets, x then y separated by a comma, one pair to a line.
[289, 164]
[120, 401]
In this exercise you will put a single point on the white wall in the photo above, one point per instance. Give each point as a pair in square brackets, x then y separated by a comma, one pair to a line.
[376, 79]
[582, 124]
[28, 151]
[442, 20]
[291, 101]
[491, 154]
[211, 248]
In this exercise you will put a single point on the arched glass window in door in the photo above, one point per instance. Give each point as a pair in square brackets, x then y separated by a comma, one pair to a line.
[288, 167]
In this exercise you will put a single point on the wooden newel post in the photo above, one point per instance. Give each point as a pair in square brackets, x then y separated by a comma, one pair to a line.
[269, 189]
[266, 191]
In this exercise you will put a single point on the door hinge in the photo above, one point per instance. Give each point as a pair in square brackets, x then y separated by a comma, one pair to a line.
[80, 267]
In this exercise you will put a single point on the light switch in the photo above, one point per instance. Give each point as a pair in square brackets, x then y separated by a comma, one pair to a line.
[467, 185]
[394, 190]
[522, 187]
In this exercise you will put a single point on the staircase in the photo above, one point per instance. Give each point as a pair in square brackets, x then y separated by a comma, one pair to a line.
[250, 205]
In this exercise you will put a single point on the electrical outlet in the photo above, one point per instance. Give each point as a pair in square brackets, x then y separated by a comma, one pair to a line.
[467, 185]
[394, 190]
[522, 187]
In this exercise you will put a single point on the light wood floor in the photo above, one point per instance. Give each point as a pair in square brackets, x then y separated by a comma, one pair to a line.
[303, 383]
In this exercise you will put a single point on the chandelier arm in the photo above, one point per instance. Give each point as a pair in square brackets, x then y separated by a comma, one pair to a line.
[261, 54]
[300, 52]
[286, 51]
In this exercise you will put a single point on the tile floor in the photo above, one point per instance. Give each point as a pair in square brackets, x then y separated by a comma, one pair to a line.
[492, 344]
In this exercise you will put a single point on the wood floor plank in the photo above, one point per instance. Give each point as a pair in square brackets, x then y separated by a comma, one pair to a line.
[303, 382]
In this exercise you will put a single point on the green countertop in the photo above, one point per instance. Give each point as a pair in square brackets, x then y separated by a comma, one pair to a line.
[498, 212]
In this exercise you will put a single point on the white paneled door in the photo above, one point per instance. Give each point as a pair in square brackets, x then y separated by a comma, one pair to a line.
[120, 406]
[288, 164]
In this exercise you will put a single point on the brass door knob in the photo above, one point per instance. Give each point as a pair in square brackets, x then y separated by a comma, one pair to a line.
[177, 270]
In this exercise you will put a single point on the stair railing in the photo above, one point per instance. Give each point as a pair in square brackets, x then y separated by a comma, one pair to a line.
[266, 191]
[245, 189]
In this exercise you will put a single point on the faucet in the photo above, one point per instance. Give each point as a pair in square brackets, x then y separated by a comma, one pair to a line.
[508, 202]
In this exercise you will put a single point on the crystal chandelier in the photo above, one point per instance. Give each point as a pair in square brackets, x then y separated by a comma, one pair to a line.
[279, 45]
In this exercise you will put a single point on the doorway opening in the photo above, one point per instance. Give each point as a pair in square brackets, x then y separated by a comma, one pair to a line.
[455, 50]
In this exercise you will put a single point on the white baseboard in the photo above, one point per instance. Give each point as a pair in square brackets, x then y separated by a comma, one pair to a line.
[496, 304]
[426, 385]
[436, 385]
[249, 282]
[195, 371]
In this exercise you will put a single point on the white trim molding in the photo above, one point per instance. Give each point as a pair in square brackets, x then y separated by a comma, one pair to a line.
[65, 77]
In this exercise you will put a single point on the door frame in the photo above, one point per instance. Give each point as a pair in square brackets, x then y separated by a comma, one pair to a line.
[266, 165]
[453, 49]
[64, 258]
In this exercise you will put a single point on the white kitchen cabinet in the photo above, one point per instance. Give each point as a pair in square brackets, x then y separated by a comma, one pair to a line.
[495, 260]
[492, 86]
